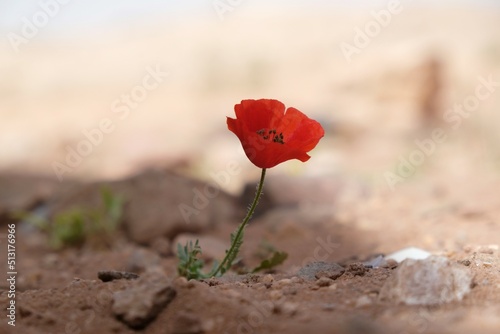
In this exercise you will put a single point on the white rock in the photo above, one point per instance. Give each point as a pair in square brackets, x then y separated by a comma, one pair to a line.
[409, 253]
[434, 280]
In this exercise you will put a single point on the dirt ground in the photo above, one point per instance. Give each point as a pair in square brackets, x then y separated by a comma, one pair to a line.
[381, 180]
[59, 291]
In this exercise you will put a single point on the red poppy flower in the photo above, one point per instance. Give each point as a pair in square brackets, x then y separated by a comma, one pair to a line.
[270, 135]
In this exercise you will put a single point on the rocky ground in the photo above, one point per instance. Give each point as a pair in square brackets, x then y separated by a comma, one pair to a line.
[336, 279]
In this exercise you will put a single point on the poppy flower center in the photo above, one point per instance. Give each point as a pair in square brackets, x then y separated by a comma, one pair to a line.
[271, 135]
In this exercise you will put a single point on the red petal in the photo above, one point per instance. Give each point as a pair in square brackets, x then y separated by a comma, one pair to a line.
[301, 131]
[259, 114]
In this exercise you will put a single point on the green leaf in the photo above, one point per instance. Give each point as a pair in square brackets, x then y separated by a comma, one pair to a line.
[68, 229]
[277, 259]
[189, 265]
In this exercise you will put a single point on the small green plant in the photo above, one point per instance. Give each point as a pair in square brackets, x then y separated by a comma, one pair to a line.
[68, 229]
[189, 265]
[77, 226]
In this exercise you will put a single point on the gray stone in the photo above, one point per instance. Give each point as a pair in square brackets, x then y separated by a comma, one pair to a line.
[431, 281]
[314, 270]
[111, 275]
[143, 301]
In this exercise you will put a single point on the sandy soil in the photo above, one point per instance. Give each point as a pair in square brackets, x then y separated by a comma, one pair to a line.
[58, 291]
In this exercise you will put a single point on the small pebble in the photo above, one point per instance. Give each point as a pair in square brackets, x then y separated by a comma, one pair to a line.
[267, 279]
[181, 281]
[111, 275]
[283, 282]
[333, 286]
[324, 281]
[192, 283]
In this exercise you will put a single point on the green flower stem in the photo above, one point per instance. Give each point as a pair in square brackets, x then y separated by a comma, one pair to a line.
[239, 232]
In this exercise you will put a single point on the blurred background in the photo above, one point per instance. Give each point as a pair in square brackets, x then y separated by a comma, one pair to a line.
[101, 90]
